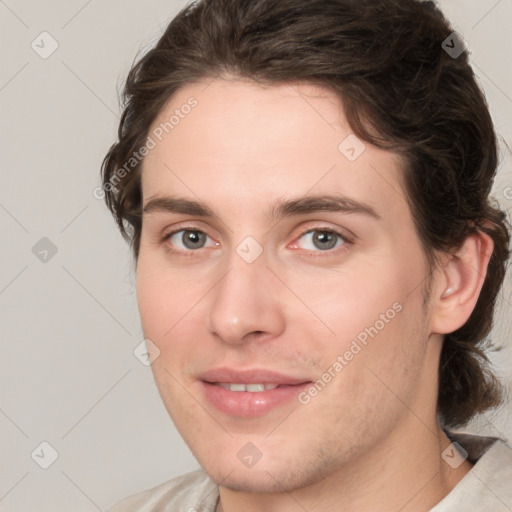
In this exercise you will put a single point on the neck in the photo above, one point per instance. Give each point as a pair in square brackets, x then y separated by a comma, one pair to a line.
[404, 472]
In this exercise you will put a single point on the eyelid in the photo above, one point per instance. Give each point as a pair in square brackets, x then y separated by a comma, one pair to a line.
[185, 227]
[344, 233]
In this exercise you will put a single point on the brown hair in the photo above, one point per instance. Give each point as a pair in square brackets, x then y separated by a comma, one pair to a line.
[400, 90]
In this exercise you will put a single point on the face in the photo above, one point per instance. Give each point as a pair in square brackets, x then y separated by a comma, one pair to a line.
[275, 251]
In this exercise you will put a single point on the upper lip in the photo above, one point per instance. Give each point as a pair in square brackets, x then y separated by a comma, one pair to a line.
[249, 376]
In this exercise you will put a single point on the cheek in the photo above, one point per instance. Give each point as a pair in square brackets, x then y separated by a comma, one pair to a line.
[163, 295]
[373, 313]
[149, 298]
[171, 307]
[349, 301]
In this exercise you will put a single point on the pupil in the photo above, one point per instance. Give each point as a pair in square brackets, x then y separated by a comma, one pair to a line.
[192, 239]
[325, 239]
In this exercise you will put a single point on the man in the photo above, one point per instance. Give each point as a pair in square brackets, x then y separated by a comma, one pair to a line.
[305, 186]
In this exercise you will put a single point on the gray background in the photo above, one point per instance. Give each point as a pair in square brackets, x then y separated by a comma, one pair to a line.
[70, 324]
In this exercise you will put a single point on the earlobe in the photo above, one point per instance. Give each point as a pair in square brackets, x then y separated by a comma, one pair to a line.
[460, 281]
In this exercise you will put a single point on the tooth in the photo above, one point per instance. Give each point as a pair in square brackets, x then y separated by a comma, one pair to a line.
[255, 387]
[251, 388]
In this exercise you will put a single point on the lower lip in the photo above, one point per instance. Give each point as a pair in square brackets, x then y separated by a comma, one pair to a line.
[247, 404]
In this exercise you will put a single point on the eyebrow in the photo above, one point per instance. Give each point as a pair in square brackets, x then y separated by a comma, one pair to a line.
[280, 209]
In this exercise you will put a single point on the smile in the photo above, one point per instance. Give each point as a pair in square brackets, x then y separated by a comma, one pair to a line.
[250, 393]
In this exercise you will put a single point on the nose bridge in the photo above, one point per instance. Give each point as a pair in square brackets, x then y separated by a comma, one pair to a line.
[243, 301]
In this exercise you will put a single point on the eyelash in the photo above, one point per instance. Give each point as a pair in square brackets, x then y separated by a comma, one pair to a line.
[329, 252]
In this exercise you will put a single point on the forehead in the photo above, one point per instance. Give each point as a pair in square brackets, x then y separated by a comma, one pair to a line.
[239, 142]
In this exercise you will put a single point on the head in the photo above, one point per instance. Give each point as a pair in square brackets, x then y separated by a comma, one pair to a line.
[243, 127]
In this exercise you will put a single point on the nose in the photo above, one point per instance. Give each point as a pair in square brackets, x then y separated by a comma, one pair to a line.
[246, 303]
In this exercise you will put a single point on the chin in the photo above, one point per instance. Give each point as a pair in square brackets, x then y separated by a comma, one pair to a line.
[265, 478]
[250, 481]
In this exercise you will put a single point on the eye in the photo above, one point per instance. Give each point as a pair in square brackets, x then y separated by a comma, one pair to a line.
[192, 239]
[322, 239]
[187, 240]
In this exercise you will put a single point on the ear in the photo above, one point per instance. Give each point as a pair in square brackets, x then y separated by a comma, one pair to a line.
[459, 282]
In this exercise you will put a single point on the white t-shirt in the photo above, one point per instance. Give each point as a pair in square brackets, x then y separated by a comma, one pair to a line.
[486, 488]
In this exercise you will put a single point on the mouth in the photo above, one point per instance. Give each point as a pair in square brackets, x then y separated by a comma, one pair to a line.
[250, 393]
[251, 388]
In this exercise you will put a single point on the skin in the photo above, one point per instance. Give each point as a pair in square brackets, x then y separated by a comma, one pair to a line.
[368, 440]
